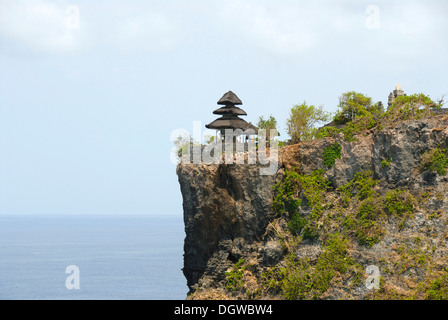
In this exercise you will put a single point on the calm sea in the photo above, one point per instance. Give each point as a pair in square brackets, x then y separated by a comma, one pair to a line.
[118, 257]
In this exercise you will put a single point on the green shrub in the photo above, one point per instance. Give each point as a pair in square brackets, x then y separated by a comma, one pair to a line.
[234, 277]
[286, 194]
[295, 280]
[325, 132]
[299, 279]
[409, 107]
[367, 224]
[366, 221]
[334, 260]
[399, 203]
[311, 230]
[335, 257]
[287, 200]
[331, 153]
[296, 224]
[358, 125]
[435, 160]
[386, 163]
[362, 185]
[438, 289]
[314, 187]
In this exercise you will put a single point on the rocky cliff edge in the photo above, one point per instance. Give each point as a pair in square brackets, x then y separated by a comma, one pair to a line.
[241, 244]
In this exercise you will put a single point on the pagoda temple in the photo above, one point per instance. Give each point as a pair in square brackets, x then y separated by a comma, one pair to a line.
[230, 115]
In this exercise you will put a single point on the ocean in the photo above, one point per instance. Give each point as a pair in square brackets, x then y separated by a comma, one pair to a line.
[91, 257]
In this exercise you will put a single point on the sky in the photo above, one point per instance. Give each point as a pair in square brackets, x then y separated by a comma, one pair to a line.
[91, 91]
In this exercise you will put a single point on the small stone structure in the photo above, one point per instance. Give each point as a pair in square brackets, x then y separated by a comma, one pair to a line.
[399, 92]
[393, 95]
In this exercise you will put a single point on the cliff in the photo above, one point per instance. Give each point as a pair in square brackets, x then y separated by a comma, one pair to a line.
[316, 230]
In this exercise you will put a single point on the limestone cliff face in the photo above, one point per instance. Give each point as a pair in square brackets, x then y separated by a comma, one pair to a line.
[226, 210]
[228, 216]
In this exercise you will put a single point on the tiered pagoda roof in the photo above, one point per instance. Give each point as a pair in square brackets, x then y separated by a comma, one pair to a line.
[230, 115]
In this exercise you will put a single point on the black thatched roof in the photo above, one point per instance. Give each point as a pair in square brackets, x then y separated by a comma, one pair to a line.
[230, 113]
[232, 110]
[230, 99]
[230, 122]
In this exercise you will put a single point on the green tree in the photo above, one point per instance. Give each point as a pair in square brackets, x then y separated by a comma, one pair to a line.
[353, 104]
[302, 120]
[184, 146]
[268, 125]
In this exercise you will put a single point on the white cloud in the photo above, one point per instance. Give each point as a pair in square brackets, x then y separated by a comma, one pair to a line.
[38, 26]
[47, 27]
[142, 31]
[412, 21]
[410, 32]
[282, 29]
[279, 28]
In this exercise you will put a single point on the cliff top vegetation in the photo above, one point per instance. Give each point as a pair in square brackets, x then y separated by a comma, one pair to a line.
[356, 113]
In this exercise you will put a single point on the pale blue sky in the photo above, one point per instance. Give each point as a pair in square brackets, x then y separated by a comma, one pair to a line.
[86, 113]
